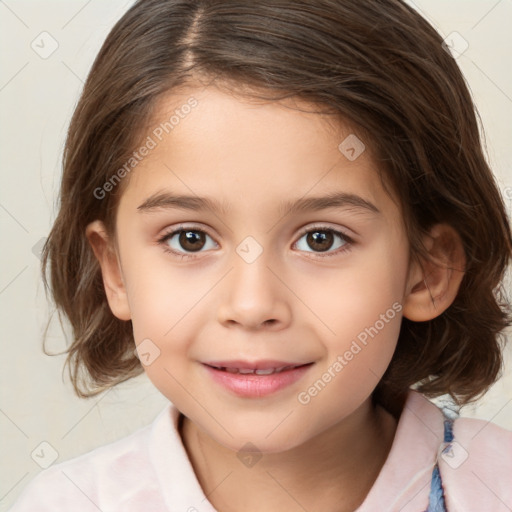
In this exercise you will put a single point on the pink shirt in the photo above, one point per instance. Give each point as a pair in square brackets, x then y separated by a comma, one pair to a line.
[150, 471]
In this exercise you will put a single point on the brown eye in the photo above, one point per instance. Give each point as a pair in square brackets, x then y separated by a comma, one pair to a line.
[191, 240]
[320, 240]
[185, 242]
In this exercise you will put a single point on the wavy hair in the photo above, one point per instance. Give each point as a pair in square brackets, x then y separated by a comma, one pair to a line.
[376, 64]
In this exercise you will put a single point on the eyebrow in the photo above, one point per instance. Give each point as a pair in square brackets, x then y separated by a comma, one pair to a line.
[169, 201]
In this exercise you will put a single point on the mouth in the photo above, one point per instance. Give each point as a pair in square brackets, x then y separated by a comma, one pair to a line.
[256, 371]
[256, 380]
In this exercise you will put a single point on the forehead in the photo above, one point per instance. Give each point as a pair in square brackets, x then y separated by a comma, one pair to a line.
[248, 152]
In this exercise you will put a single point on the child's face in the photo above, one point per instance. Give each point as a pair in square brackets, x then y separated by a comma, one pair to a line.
[258, 288]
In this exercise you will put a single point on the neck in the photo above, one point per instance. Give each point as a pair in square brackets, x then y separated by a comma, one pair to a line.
[333, 471]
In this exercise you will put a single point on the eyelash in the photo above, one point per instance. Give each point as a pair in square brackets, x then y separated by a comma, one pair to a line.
[349, 242]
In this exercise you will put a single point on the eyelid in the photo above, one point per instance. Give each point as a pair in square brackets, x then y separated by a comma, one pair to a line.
[326, 227]
[169, 233]
[347, 246]
[304, 230]
[172, 231]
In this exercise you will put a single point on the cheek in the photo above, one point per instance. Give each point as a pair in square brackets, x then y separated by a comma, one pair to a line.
[159, 292]
[356, 359]
[361, 307]
[161, 302]
[365, 291]
[164, 335]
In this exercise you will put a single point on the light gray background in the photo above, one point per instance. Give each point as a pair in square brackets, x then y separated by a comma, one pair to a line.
[37, 97]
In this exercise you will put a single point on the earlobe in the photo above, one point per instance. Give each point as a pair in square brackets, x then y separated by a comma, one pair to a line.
[113, 283]
[433, 285]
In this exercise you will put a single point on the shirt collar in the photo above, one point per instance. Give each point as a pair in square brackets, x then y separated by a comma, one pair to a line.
[402, 484]
[404, 480]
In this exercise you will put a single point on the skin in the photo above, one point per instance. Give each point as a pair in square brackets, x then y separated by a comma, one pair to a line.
[291, 303]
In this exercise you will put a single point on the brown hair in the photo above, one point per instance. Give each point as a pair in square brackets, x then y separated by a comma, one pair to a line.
[376, 64]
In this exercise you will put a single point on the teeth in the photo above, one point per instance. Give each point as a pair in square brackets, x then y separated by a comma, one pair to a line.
[265, 372]
[248, 371]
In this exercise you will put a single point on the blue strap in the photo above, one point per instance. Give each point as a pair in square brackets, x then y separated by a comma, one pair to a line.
[436, 497]
[448, 430]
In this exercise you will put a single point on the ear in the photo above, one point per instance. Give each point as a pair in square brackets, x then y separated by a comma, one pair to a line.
[106, 255]
[433, 285]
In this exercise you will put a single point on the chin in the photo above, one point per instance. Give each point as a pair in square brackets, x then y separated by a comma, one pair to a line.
[260, 443]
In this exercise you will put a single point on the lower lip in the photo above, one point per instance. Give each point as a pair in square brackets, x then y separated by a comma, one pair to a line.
[255, 386]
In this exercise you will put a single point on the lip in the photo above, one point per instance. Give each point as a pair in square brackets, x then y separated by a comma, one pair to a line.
[262, 364]
[253, 385]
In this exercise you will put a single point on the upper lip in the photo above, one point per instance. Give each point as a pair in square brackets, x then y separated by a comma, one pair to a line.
[254, 365]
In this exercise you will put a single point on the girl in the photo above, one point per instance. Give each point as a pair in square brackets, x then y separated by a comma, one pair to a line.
[284, 208]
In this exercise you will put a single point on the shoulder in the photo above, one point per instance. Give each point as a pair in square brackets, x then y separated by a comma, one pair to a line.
[476, 467]
[116, 476]
[485, 440]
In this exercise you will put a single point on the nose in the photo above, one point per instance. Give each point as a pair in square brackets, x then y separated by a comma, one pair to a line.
[254, 297]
